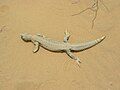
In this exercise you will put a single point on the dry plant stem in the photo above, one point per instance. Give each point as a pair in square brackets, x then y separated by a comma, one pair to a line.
[94, 18]
[81, 12]
[94, 8]
[104, 5]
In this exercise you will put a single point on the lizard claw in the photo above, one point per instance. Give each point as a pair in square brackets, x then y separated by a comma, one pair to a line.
[35, 50]
[67, 34]
[78, 62]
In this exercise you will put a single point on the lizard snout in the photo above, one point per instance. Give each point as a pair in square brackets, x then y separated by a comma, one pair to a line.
[25, 37]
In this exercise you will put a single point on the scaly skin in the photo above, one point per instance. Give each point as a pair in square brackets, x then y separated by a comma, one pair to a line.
[53, 45]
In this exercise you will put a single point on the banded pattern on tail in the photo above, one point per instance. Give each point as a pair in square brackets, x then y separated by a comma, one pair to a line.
[83, 46]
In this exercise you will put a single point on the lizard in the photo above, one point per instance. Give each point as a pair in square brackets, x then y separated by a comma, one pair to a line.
[58, 46]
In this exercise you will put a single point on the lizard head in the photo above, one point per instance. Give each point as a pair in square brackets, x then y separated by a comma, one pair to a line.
[26, 37]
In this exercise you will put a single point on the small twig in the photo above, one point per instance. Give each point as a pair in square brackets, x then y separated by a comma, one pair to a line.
[93, 20]
[95, 10]
[80, 12]
[94, 6]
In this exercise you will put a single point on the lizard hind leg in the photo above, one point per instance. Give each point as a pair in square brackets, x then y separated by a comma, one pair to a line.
[66, 37]
[36, 48]
[71, 55]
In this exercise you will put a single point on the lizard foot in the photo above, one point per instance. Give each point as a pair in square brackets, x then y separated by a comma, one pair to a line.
[67, 34]
[36, 48]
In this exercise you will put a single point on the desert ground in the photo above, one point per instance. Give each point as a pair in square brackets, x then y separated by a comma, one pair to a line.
[85, 20]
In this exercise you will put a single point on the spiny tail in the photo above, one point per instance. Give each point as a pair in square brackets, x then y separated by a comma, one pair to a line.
[83, 46]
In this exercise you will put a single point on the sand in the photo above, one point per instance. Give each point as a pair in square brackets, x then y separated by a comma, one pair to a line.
[20, 69]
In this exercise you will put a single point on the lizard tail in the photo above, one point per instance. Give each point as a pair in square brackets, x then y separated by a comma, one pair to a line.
[83, 46]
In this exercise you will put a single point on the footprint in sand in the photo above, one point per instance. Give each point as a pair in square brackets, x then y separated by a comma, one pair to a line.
[4, 10]
[26, 85]
[49, 85]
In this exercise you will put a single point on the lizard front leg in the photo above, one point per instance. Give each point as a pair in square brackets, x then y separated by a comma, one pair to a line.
[36, 48]
[67, 36]
[71, 55]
